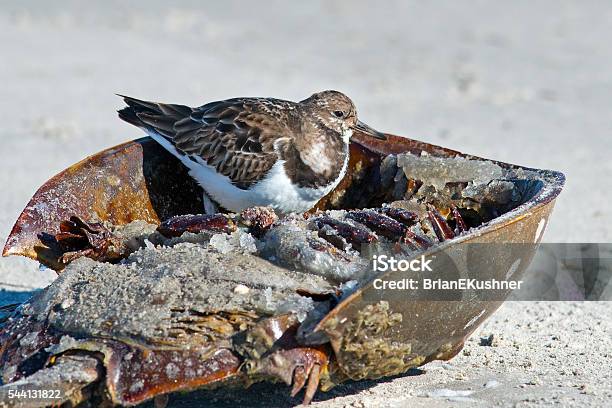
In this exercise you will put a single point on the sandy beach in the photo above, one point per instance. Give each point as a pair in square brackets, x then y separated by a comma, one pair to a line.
[520, 82]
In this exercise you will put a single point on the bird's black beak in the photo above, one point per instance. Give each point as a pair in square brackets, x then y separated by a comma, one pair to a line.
[362, 127]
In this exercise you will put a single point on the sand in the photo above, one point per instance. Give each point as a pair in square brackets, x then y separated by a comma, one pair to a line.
[518, 82]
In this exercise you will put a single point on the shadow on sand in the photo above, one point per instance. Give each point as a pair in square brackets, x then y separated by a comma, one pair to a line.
[8, 297]
[268, 395]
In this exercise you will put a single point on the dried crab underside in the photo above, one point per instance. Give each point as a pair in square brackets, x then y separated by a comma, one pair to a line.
[143, 310]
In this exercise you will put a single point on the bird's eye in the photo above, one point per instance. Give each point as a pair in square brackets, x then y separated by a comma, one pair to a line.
[339, 114]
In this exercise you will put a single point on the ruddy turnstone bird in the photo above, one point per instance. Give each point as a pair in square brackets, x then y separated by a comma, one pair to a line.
[248, 152]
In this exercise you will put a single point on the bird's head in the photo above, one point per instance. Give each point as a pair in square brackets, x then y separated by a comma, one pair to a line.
[336, 111]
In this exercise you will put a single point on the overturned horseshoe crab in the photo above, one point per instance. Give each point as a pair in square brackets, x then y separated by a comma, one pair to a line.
[151, 299]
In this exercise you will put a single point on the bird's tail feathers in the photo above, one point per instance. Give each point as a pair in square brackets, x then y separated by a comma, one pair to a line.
[153, 116]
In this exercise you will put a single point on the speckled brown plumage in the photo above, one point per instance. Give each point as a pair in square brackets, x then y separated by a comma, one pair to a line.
[243, 138]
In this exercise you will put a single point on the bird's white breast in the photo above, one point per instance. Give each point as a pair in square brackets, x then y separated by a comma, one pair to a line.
[275, 189]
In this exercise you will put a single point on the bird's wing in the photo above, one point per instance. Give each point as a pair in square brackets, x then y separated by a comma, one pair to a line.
[238, 137]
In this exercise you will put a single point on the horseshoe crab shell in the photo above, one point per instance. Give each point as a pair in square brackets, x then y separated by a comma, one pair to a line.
[372, 333]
